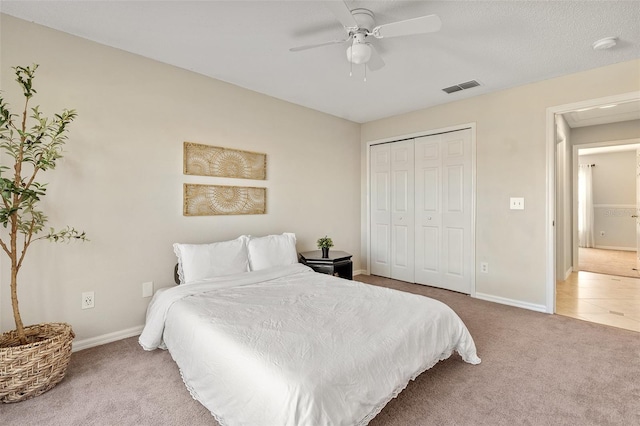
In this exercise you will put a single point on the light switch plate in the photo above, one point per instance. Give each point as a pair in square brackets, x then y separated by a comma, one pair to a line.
[516, 203]
[147, 289]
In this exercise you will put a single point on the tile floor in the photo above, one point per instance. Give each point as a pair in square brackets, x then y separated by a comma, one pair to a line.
[604, 299]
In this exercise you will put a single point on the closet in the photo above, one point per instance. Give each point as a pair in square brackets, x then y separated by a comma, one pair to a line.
[421, 210]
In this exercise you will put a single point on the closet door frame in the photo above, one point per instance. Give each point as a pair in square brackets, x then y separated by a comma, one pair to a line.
[429, 132]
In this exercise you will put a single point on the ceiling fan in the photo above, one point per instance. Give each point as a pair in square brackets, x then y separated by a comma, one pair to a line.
[360, 24]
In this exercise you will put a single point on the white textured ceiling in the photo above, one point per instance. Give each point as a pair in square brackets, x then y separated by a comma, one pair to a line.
[500, 44]
[604, 114]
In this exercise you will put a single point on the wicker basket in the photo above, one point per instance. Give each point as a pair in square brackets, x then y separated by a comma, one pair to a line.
[29, 370]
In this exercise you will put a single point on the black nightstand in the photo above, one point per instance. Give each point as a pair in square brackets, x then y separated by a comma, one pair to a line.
[338, 263]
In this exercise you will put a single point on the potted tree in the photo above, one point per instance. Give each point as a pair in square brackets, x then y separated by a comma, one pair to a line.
[325, 244]
[33, 358]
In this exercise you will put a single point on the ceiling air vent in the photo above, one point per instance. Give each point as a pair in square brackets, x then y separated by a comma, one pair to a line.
[461, 86]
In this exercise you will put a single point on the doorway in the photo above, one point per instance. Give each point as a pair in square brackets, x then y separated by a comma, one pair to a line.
[606, 204]
[604, 285]
[570, 291]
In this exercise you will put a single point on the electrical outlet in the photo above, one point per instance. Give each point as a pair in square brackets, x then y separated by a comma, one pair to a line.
[88, 300]
[147, 289]
[484, 267]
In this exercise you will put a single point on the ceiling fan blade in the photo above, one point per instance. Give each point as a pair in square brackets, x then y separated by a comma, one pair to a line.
[375, 62]
[313, 46]
[420, 25]
[342, 13]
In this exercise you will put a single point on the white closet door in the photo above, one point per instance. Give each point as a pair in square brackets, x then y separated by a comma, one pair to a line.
[380, 209]
[428, 210]
[443, 210]
[402, 211]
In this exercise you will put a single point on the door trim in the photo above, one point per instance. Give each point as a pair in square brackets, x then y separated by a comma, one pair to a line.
[550, 230]
[429, 132]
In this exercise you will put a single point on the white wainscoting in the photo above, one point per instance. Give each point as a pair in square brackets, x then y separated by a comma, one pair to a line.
[618, 225]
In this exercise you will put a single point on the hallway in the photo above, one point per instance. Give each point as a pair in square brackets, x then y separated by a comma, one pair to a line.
[610, 262]
[599, 298]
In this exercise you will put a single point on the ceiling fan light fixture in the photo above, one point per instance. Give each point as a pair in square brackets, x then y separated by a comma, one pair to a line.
[359, 53]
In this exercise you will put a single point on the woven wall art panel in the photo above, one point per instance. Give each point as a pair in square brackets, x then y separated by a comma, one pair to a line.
[207, 160]
[211, 200]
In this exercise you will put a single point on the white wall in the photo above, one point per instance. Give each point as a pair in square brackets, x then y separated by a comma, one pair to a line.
[121, 178]
[511, 162]
[614, 198]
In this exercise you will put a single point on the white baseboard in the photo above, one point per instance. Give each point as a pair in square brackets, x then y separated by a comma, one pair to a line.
[512, 302]
[568, 273]
[616, 248]
[91, 342]
[79, 345]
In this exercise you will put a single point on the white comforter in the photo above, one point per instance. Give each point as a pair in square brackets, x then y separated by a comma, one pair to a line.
[288, 346]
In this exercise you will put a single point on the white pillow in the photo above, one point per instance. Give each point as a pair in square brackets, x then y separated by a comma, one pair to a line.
[202, 261]
[272, 250]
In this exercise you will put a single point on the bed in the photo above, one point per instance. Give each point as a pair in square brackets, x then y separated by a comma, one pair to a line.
[284, 345]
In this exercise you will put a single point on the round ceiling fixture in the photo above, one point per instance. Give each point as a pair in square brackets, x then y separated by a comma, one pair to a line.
[605, 43]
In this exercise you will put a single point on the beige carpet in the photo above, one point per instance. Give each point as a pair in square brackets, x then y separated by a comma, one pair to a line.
[610, 262]
[536, 369]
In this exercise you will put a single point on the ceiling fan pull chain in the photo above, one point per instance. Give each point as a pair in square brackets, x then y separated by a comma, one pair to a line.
[365, 72]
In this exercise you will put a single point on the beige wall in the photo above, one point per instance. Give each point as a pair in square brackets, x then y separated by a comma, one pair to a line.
[606, 132]
[511, 155]
[121, 178]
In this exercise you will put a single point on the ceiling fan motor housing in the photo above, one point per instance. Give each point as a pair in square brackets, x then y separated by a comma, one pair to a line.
[365, 20]
[360, 51]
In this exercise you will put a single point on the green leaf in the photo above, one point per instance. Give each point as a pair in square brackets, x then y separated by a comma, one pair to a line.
[37, 142]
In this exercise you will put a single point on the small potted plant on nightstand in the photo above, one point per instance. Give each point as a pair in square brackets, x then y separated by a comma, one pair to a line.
[325, 244]
[33, 358]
